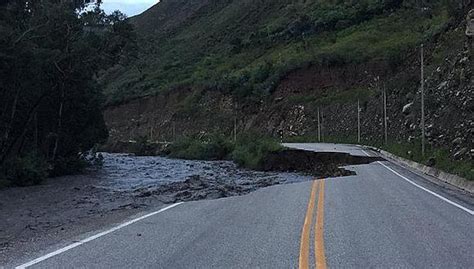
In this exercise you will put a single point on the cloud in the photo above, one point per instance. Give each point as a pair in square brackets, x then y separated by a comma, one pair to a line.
[129, 7]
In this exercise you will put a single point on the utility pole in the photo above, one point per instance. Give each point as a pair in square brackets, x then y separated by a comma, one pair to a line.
[319, 127]
[422, 100]
[358, 121]
[235, 129]
[151, 133]
[385, 114]
[174, 131]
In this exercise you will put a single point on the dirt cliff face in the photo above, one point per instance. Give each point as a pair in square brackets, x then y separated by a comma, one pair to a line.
[292, 108]
[164, 117]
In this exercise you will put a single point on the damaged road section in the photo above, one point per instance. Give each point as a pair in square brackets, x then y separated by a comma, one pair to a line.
[311, 164]
[317, 164]
[36, 217]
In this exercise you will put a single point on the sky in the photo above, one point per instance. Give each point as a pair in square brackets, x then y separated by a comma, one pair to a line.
[129, 7]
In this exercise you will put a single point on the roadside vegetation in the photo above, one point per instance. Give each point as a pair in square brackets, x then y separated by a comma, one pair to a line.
[51, 53]
[211, 147]
[438, 158]
[249, 150]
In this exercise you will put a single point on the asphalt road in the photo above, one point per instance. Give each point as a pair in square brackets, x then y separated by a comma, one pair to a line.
[384, 217]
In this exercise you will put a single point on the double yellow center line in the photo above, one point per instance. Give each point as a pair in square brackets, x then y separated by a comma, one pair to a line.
[319, 254]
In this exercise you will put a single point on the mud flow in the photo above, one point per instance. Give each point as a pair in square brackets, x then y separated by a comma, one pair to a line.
[317, 164]
[297, 165]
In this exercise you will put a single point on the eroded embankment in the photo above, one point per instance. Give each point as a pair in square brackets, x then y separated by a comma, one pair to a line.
[318, 164]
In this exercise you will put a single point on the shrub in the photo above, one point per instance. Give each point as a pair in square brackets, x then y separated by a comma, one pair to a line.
[70, 165]
[4, 183]
[214, 147]
[442, 158]
[250, 150]
[28, 170]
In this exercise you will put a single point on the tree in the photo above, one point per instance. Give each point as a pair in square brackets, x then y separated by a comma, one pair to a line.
[50, 55]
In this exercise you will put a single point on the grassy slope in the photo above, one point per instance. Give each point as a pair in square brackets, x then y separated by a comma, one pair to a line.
[246, 46]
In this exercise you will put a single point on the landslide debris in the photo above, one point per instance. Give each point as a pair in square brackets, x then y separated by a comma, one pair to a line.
[197, 187]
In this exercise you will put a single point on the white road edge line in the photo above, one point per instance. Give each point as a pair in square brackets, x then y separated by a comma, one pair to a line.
[59, 251]
[425, 189]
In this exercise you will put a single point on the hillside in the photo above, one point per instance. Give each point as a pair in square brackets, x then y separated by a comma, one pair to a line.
[246, 46]
[269, 66]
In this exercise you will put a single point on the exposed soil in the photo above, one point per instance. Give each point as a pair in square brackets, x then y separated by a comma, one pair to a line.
[318, 164]
[38, 217]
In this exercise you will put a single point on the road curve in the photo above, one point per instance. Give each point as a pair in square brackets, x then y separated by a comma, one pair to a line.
[386, 216]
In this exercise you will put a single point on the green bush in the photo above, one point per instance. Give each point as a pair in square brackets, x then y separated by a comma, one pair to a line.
[4, 183]
[248, 151]
[28, 170]
[214, 147]
[32, 168]
[441, 157]
[70, 165]
[251, 150]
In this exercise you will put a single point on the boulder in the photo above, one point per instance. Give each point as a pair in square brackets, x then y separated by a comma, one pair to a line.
[457, 141]
[458, 155]
[442, 85]
[470, 23]
[407, 108]
[431, 162]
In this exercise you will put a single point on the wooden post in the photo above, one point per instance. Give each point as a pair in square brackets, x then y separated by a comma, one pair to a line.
[358, 121]
[385, 114]
[235, 129]
[174, 131]
[322, 124]
[319, 127]
[422, 101]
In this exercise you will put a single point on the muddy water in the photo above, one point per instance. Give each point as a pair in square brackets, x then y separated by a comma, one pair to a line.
[37, 217]
[124, 172]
